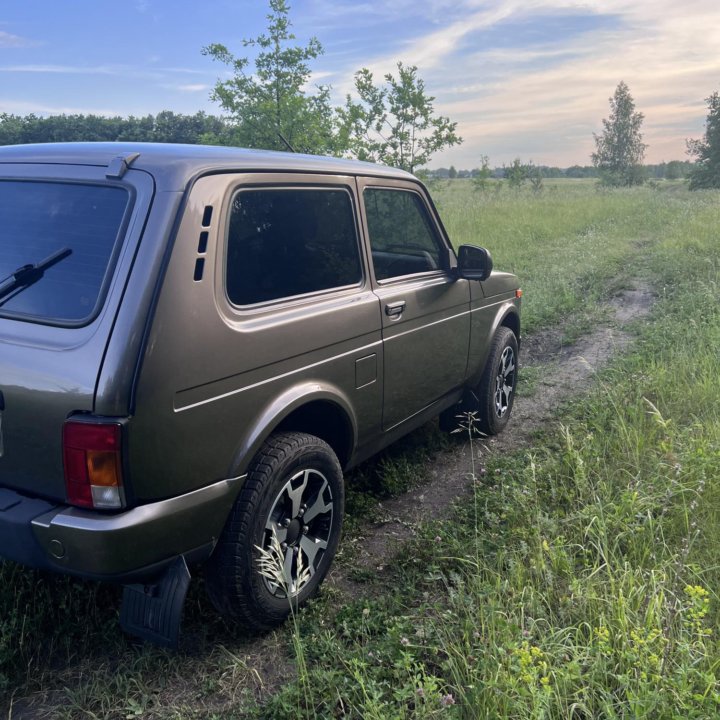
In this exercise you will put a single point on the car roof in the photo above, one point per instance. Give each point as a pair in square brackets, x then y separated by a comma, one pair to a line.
[173, 165]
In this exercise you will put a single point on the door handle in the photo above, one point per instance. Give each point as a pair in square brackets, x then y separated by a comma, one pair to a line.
[395, 309]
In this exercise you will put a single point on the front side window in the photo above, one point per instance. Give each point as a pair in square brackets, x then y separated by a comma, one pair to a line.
[402, 239]
[56, 246]
[287, 242]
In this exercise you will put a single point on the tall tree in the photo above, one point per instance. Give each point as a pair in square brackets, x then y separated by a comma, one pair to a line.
[269, 105]
[619, 148]
[706, 173]
[395, 123]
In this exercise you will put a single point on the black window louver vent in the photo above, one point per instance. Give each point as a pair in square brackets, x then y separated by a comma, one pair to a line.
[199, 268]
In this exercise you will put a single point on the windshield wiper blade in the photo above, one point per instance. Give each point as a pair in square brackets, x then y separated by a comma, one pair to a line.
[29, 274]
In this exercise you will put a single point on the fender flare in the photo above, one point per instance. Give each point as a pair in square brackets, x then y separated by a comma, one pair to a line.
[278, 409]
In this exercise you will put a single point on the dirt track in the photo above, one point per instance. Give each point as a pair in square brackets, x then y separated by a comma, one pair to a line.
[567, 370]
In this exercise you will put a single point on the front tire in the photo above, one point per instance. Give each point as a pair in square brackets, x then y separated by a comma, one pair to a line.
[496, 391]
[282, 533]
[487, 406]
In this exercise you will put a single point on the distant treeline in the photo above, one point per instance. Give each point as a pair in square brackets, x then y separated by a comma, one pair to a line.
[200, 128]
[166, 126]
[673, 170]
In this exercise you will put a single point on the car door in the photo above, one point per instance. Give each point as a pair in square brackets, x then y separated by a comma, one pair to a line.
[424, 306]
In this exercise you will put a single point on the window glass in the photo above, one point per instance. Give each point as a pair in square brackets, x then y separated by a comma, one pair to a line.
[40, 219]
[286, 242]
[402, 240]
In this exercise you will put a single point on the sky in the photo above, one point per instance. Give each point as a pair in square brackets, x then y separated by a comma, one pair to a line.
[522, 78]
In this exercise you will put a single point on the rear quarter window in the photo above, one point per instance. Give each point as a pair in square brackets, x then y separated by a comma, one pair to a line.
[284, 242]
[38, 219]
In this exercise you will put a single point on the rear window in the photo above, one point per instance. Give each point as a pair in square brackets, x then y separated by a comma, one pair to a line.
[38, 220]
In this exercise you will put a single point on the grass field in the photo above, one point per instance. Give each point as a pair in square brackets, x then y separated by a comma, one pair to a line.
[579, 581]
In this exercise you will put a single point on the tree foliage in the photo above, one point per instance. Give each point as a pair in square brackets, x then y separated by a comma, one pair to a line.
[394, 123]
[166, 126]
[706, 173]
[269, 105]
[482, 175]
[619, 148]
[517, 172]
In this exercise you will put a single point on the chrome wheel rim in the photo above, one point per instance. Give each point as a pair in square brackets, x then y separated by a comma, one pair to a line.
[505, 382]
[301, 519]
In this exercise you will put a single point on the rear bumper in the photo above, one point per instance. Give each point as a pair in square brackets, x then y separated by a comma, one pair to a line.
[128, 546]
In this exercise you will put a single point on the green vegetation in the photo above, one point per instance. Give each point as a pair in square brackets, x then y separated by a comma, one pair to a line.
[395, 123]
[579, 580]
[164, 127]
[569, 244]
[268, 105]
[272, 107]
[619, 148]
[706, 173]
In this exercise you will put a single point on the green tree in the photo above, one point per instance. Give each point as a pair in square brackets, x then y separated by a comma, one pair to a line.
[395, 123]
[482, 174]
[578, 171]
[452, 172]
[517, 173]
[166, 126]
[537, 177]
[619, 148]
[706, 172]
[269, 105]
[674, 170]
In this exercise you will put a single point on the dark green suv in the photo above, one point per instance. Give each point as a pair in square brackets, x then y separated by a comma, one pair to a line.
[196, 342]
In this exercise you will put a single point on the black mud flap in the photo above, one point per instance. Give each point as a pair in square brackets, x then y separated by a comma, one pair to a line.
[153, 612]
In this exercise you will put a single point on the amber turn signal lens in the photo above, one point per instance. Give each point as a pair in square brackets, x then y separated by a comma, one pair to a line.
[103, 468]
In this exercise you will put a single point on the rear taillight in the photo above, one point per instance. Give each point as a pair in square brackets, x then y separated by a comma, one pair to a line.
[92, 457]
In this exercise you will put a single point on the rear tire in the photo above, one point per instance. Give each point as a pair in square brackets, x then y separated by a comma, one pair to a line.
[294, 490]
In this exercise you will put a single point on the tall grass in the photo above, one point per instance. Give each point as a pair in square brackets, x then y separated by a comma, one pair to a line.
[570, 244]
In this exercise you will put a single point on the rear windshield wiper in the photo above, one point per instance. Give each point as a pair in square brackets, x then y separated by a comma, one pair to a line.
[29, 274]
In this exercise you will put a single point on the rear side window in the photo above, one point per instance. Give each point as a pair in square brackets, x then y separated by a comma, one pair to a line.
[287, 242]
[39, 220]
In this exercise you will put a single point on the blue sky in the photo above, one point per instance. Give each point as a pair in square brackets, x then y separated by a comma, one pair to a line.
[527, 78]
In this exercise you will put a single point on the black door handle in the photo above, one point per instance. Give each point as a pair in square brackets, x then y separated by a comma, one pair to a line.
[394, 309]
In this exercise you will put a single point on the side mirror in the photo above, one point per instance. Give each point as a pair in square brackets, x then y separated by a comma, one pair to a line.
[474, 263]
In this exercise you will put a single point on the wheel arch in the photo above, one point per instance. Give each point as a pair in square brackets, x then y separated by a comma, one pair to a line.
[511, 319]
[325, 419]
[507, 315]
[319, 410]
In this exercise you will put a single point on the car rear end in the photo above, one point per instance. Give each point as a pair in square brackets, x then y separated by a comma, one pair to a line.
[70, 235]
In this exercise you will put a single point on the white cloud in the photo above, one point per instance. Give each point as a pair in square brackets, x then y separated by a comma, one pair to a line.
[8, 40]
[546, 100]
[189, 88]
[68, 69]
[22, 107]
